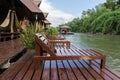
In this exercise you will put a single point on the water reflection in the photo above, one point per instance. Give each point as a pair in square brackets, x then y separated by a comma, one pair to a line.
[107, 44]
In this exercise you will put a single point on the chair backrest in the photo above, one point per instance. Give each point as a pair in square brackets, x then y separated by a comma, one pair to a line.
[44, 44]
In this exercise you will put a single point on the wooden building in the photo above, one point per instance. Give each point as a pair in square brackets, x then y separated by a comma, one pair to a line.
[16, 15]
[46, 23]
[18, 12]
[65, 30]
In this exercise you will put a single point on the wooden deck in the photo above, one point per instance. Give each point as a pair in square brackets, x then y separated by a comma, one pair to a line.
[9, 50]
[23, 69]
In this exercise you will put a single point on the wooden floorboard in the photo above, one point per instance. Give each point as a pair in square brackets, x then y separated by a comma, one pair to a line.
[30, 72]
[23, 71]
[73, 70]
[37, 73]
[46, 71]
[54, 71]
[15, 68]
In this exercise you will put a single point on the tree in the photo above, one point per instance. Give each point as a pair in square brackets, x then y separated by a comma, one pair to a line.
[104, 19]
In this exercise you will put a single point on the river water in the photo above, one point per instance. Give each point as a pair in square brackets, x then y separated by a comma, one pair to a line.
[106, 44]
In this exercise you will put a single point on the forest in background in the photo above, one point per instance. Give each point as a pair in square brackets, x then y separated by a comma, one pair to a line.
[104, 18]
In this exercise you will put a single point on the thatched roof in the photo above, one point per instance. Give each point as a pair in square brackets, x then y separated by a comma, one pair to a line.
[23, 8]
[45, 14]
[65, 27]
[37, 2]
[46, 21]
[31, 6]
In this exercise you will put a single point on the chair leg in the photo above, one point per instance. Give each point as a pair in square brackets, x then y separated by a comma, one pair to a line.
[38, 64]
[102, 66]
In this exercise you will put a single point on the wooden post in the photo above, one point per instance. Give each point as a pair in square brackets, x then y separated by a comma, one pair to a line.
[37, 49]
[12, 22]
[12, 19]
[36, 22]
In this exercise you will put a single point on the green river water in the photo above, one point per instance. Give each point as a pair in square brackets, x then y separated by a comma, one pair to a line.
[106, 44]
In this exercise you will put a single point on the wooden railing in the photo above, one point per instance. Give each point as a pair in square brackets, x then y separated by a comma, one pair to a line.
[5, 36]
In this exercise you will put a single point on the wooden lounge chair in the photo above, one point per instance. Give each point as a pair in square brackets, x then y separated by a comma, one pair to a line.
[42, 44]
[53, 37]
[56, 41]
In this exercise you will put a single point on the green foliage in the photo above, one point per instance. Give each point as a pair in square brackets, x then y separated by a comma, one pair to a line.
[105, 18]
[110, 4]
[27, 37]
[52, 31]
[75, 24]
[108, 22]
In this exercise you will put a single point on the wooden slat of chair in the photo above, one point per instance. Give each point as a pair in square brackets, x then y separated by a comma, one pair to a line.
[79, 52]
[83, 52]
[73, 52]
[63, 53]
[91, 52]
[60, 42]
[68, 52]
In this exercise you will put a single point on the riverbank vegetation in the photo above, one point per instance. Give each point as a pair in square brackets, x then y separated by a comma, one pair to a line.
[104, 18]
